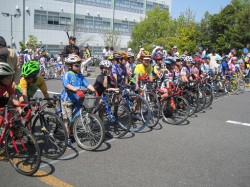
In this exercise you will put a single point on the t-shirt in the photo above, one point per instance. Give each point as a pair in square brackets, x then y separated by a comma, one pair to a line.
[32, 87]
[99, 84]
[120, 71]
[157, 69]
[75, 79]
[143, 72]
[5, 93]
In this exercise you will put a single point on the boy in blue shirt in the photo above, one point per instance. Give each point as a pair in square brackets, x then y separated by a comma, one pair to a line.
[73, 83]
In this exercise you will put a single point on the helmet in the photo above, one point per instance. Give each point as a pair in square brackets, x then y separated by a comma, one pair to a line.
[105, 64]
[205, 56]
[245, 51]
[188, 59]
[131, 55]
[145, 54]
[120, 54]
[200, 48]
[225, 57]
[169, 61]
[217, 58]
[111, 57]
[5, 69]
[72, 59]
[30, 69]
[158, 56]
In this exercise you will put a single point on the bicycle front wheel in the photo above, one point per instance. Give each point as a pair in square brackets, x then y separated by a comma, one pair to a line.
[155, 108]
[177, 114]
[51, 134]
[140, 111]
[22, 150]
[88, 130]
[118, 122]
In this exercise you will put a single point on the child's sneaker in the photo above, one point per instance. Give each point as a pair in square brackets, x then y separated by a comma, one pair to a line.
[70, 144]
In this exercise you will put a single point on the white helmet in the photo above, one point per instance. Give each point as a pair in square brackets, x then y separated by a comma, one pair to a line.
[105, 64]
[72, 59]
[5, 69]
[188, 59]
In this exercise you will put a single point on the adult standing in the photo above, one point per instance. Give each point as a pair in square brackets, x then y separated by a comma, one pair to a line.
[71, 48]
[213, 62]
[9, 56]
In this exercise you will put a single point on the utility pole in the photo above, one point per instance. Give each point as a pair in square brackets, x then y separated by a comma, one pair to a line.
[73, 17]
[24, 22]
[11, 25]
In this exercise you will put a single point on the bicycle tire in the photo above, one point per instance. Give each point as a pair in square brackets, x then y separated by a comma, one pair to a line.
[26, 165]
[144, 113]
[233, 85]
[182, 108]
[201, 100]
[155, 108]
[241, 85]
[209, 95]
[51, 136]
[192, 101]
[113, 131]
[89, 131]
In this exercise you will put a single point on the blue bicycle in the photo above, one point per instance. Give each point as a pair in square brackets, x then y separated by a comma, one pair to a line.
[115, 117]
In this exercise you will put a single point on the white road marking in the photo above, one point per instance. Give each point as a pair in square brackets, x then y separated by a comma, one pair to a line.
[238, 123]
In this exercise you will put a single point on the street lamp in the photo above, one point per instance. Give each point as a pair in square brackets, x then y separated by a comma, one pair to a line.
[11, 30]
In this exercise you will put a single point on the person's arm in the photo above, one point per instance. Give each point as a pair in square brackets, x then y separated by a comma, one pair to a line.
[105, 81]
[91, 88]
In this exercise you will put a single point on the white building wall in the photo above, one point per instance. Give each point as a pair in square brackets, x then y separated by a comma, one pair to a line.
[58, 37]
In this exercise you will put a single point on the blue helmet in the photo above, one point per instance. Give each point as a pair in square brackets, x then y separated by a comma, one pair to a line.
[245, 50]
[205, 56]
[226, 56]
[169, 61]
[201, 48]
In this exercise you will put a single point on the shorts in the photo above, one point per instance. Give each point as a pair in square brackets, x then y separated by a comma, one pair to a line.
[67, 109]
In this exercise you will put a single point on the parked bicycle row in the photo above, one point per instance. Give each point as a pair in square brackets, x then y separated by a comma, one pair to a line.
[123, 99]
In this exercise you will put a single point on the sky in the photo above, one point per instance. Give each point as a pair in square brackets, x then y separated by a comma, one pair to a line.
[199, 7]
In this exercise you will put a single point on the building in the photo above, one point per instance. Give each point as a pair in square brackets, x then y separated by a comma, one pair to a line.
[48, 20]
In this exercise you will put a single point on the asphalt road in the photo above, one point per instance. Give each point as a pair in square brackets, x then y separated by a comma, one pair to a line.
[205, 151]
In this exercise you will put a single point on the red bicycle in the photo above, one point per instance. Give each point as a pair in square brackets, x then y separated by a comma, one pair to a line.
[20, 146]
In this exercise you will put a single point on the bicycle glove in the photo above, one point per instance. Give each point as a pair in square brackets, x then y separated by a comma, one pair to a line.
[80, 94]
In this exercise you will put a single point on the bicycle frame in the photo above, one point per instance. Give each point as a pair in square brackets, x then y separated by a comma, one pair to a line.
[8, 124]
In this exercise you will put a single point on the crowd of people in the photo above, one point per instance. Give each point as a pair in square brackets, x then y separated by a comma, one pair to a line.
[20, 74]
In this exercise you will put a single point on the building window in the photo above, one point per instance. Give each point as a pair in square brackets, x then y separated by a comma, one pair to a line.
[129, 5]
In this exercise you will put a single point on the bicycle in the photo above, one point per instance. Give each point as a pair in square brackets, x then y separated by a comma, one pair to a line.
[115, 117]
[20, 145]
[138, 107]
[88, 130]
[175, 109]
[48, 129]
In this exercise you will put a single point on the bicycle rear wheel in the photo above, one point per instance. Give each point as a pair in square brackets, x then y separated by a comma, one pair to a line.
[178, 114]
[51, 134]
[22, 150]
[118, 123]
[88, 130]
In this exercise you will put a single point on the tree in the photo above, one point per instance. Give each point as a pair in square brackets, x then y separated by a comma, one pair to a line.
[112, 39]
[31, 43]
